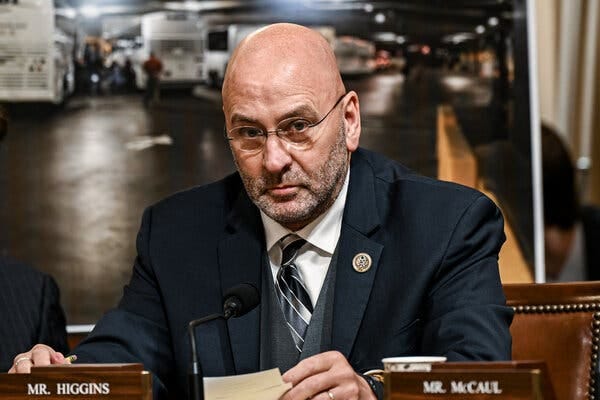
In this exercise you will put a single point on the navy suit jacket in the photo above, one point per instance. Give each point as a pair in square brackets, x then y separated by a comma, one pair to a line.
[433, 288]
[31, 311]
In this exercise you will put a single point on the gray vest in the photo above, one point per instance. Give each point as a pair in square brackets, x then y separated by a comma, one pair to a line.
[277, 348]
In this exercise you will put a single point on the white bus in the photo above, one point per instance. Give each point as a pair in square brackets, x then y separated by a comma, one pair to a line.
[37, 45]
[176, 39]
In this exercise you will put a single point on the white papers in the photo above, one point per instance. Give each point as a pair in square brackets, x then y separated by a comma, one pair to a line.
[265, 385]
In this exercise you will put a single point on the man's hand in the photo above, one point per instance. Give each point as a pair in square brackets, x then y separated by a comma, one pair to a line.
[326, 376]
[40, 354]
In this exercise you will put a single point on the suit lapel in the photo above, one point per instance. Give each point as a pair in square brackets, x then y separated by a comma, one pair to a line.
[241, 260]
[352, 288]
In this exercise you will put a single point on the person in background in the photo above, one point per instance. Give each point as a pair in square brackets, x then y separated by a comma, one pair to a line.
[356, 257]
[29, 304]
[94, 66]
[571, 230]
[129, 74]
[152, 68]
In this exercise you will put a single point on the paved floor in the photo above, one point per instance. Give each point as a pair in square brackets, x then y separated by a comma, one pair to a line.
[74, 181]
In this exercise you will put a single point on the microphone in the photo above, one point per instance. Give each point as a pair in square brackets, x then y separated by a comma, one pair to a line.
[238, 300]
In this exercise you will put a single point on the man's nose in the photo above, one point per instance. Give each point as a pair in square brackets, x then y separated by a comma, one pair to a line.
[276, 156]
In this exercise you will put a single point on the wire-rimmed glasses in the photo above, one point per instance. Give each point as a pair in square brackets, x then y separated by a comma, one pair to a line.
[296, 131]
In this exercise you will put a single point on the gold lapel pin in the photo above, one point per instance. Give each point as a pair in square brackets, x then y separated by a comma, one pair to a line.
[362, 262]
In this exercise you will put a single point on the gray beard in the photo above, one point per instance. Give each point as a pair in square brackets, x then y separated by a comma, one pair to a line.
[323, 188]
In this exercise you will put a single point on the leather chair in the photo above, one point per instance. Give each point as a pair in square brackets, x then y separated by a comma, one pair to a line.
[560, 324]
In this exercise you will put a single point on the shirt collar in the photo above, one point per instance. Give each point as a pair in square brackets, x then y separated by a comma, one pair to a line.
[323, 232]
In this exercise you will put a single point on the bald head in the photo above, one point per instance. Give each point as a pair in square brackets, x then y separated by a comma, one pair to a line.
[283, 54]
[279, 79]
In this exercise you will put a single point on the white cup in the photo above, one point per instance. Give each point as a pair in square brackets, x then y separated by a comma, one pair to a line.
[412, 364]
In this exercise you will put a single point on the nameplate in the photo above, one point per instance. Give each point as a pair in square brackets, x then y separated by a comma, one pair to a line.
[79, 381]
[472, 381]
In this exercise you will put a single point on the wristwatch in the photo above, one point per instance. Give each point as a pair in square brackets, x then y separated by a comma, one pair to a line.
[375, 380]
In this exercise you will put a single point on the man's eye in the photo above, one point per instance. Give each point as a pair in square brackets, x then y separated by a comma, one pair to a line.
[299, 125]
[250, 132]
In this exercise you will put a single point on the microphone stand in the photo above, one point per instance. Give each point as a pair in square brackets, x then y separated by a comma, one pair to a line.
[195, 374]
[236, 298]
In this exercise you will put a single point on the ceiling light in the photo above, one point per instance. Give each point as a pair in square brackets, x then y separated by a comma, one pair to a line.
[380, 18]
[480, 29]
[385, 36]
[458, 37]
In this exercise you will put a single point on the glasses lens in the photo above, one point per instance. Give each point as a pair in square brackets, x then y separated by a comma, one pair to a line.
[296, 131]
[247, 138]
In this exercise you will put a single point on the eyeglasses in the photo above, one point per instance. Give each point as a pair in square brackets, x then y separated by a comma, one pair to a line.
[295, 131]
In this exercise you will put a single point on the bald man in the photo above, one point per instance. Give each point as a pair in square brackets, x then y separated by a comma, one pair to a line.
[356, 257]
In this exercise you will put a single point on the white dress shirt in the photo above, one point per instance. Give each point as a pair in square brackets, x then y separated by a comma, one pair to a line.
[321, 236]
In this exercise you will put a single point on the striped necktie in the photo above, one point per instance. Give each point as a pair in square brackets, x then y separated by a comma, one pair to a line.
[295, 302]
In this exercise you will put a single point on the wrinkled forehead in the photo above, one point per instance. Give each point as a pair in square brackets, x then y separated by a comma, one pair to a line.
[275, 80]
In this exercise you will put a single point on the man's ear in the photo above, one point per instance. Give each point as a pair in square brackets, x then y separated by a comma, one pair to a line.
[352, 121]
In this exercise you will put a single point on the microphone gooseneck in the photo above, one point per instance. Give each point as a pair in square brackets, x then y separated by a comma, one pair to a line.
[238, 300]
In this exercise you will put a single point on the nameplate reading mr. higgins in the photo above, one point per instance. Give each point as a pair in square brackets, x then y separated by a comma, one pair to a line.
[461, 387]
[69, 389]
